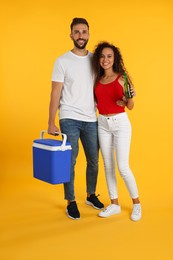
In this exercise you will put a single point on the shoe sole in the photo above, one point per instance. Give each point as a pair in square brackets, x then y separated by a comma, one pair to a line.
[136, 219]
[91, 204]
[71, 216]
[104, 216]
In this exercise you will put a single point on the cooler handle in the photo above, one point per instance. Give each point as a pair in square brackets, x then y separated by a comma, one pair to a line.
[59, 133]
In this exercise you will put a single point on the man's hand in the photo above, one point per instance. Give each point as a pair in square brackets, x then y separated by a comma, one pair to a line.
[52, 129]
[122, 102]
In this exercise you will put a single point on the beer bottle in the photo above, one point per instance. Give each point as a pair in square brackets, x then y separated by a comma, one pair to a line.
[127, 87]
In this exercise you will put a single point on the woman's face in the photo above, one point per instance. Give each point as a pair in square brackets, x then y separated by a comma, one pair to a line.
[106, 58]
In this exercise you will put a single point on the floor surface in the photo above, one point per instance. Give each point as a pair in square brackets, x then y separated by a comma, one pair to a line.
[34, 224]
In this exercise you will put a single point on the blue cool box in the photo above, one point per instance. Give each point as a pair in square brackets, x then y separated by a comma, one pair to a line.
[52, 160]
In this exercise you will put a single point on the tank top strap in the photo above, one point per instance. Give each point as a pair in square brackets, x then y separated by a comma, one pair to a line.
[118, 77]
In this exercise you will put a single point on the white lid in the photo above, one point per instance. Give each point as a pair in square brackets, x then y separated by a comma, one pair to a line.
[52, 148]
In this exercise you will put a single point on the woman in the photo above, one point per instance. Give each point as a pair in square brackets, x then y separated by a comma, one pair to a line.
[114, 128]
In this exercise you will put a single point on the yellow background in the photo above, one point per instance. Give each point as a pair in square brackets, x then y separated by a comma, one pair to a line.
[32, 218]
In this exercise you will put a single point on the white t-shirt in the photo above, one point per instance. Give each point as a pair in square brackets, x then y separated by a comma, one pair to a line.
[77, 98]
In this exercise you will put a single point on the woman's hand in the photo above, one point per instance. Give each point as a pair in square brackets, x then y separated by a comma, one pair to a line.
[132, 91]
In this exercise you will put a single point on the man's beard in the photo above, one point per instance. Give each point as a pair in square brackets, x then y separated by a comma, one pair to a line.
[80, 46]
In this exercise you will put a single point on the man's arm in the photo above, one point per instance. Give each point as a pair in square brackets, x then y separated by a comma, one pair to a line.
[54, 105]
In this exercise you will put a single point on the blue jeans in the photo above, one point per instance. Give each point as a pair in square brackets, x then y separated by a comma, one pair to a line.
[87, 133]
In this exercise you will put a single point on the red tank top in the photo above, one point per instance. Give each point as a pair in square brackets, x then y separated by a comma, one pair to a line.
[107, 95]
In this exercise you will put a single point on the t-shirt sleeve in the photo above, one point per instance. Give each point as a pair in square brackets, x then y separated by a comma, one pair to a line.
[58, 72]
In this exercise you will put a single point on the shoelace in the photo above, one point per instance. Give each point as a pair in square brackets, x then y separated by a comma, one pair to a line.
[136, 210]
[108, 208]
[73, 207]
[95, 197]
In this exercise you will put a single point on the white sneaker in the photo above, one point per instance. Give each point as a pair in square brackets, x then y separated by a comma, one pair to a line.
[110, 210]
[136, 212]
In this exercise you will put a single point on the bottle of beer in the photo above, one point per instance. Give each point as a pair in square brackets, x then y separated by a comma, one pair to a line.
[127, 87]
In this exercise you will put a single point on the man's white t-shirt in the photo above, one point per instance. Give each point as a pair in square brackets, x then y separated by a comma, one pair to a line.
[77, 97]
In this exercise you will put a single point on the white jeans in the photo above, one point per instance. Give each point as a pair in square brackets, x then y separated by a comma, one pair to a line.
[115, 135]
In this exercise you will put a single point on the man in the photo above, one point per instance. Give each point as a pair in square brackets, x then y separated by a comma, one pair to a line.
[72, 94]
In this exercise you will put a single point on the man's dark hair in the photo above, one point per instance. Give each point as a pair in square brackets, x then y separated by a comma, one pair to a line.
[77, 21]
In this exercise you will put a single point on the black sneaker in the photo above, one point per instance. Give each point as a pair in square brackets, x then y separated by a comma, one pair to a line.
[72, 210]
[94, 201]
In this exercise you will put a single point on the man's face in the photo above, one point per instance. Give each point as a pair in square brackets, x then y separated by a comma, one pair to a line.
[80, 35]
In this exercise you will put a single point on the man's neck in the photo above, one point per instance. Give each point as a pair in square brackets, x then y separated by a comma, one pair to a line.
[79, 52]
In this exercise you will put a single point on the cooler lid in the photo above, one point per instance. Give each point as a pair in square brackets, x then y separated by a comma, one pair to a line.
[51, 145]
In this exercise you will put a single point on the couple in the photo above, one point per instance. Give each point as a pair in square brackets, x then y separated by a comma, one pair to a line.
[72, 94]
